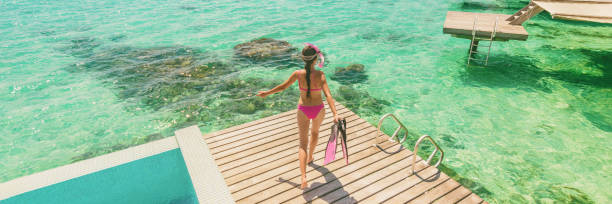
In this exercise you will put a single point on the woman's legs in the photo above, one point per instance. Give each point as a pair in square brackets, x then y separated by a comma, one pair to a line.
[303, 123]
[314, 133]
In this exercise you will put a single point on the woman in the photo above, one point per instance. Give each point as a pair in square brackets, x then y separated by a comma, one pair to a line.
[310, 106]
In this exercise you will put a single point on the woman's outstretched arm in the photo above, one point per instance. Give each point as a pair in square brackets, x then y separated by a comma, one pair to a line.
[280, 87]
[330, 99]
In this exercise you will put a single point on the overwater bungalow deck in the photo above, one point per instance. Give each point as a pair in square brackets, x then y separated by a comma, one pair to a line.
[259, 163]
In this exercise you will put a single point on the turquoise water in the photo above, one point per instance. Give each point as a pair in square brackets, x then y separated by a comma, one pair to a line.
[80, 79]
[119, 184]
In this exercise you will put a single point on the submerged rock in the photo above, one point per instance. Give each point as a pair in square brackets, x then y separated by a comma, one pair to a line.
[81, 47]
[268, 52]
[354, 73]
[188, 8]
[47, 32]
[567, 194]
[117, 38]
[360, 101]
[264, 48]
[157, 77]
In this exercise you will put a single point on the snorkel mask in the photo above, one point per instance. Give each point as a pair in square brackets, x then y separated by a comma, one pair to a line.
[318, 52]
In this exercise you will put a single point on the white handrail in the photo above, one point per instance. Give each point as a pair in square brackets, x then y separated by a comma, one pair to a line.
[416, 149]
[395, 134]
[401, 141]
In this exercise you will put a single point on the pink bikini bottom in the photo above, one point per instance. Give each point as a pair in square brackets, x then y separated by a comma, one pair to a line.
[311, 111]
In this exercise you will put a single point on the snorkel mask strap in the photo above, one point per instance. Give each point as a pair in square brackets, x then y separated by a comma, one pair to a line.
[318, 52]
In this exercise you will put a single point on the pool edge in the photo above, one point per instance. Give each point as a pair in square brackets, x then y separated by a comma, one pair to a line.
[209, 184]
[63, 173]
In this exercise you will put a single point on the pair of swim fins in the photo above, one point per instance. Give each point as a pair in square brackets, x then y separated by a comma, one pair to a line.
[332, 144]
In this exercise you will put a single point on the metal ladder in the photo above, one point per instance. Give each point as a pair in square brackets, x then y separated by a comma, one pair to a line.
[474, 44]
[395, 138]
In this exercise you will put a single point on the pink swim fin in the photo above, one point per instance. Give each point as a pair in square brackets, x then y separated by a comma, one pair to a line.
[330, 150]
[342, 129]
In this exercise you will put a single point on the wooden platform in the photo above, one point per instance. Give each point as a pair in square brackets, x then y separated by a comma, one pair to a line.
[259, 163]
[581, 10]
[461, 24]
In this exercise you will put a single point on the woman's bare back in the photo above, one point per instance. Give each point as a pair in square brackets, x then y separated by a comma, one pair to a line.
[316, 84]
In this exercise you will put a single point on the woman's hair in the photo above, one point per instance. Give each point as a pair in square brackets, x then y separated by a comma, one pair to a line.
[309, 55]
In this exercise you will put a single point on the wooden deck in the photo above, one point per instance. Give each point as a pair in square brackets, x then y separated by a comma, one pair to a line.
[259, 163]
[581, 10]
[461, 24]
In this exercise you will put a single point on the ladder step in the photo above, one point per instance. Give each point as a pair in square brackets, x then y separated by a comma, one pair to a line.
[477, 59]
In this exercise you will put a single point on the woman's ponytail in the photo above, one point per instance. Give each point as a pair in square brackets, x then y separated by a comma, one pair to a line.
[307, 67]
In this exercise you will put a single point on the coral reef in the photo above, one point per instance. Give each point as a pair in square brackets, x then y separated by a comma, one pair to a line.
[268, 52]
[354, 73]
[264, 48]
[360, 101]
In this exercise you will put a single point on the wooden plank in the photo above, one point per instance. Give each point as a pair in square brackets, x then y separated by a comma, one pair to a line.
[258, 173]
[324, 177]
[416, 190]
[240, 129]
[382, 161]
[287, 139]
[291, 170]
[437, 192]
[419, 188]
[393, 188]
[596, 11]
[271, 154]
[462, 23]
[253, 130]
[233, 169]
[346, 191]
[279, 122]
[472, 198]
[454, 196]
[210, 136]
[289, 186]
[264, 133]
[381, 186]
[271, 136]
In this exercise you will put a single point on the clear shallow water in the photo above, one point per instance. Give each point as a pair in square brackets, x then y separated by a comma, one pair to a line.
[80, 79]
[119, 184]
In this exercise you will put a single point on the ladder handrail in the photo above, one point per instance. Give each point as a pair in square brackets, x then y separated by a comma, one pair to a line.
[495, 28]
[492, 38]
[416, 149]
[401, 126]
[473, 38]
[416, 145]
[474, 27]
